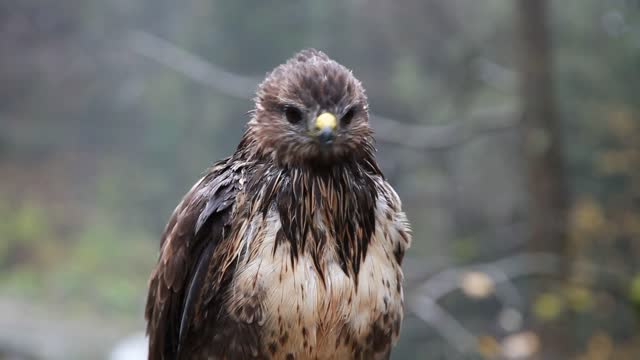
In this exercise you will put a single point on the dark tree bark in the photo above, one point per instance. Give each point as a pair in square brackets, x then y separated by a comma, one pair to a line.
[547, 188]
[543, 145]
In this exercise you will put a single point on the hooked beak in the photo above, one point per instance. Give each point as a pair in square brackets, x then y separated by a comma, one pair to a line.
[325, 126]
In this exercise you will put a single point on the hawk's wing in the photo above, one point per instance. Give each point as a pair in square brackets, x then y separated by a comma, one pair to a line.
[191, 271]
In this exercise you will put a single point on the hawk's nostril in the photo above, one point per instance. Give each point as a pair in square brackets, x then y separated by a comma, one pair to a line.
[326, 135]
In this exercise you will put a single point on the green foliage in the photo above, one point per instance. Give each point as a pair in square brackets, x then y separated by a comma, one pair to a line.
[634, 292]
[100, 267]
[21, 229]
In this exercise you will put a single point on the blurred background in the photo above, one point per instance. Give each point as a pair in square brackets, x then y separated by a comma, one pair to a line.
[510, 129]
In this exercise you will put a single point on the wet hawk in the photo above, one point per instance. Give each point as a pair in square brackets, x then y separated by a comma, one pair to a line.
[291, 247]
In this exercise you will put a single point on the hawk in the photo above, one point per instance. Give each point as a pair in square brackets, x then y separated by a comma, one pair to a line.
[291, 248]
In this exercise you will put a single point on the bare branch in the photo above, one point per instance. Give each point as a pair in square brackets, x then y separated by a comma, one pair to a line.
[500, 271]
[420, 137]
[428, 310]
[190, 65]
[442, 137]
[424, 304]
[423, 301]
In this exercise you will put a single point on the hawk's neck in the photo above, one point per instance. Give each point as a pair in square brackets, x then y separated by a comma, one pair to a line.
[320, 206]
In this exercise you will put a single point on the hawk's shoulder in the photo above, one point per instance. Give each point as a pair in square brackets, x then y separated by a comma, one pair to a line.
[191, 272]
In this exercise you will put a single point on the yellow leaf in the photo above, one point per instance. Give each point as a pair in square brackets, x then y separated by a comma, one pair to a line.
[635, 289]
[488, 346]
[477, 285]
[587, 216]
[579, 298]
[631, 223]
[621, 123]
[521, 345]
[615, 162]
[599, 347]
[548, 306]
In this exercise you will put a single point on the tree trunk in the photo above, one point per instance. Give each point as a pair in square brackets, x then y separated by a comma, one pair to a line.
[543, 155]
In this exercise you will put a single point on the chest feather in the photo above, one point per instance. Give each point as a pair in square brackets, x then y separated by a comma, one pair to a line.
[308, 306]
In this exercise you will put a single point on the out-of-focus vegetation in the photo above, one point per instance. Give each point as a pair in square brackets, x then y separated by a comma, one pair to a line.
[98, 143]
[96, 266]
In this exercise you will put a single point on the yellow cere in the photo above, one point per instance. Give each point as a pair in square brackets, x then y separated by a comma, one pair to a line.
[326, 120]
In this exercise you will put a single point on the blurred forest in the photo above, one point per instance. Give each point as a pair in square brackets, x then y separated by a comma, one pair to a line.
[510, 129]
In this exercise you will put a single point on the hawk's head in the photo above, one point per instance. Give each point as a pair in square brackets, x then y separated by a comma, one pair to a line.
[311, 111]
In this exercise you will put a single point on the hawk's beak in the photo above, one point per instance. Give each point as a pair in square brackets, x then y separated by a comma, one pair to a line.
[325, 127]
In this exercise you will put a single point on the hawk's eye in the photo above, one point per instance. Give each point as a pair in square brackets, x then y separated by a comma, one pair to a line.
[348, 116]
[293, 114]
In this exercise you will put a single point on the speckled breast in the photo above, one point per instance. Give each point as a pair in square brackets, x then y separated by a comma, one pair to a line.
[305, 313]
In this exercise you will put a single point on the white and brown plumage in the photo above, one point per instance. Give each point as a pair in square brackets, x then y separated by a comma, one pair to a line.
[291, 247]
